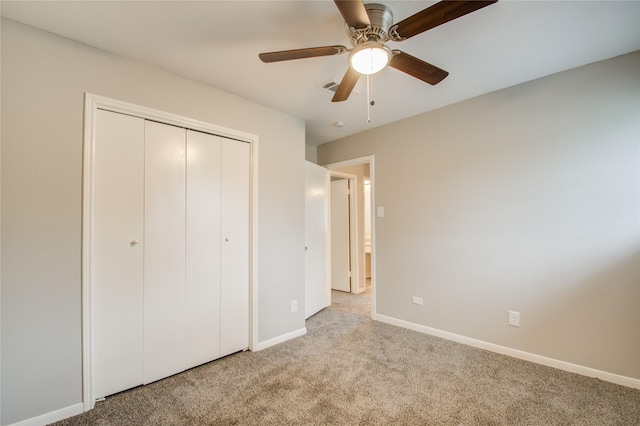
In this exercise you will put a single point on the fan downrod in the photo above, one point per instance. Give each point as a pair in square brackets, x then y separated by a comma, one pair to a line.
[381, 18]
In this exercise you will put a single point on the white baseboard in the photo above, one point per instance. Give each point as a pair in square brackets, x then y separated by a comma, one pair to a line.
[53, 416]
[283, 338]
[76, 409]
[515, 353]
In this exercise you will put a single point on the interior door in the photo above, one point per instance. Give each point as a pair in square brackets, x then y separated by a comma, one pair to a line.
[340, 244]
[164, 255]
[203, 248]
[234, 255]
[317, 286]
[118, 228]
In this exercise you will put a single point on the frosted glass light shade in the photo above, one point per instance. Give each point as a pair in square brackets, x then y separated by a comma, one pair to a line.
[369, 58]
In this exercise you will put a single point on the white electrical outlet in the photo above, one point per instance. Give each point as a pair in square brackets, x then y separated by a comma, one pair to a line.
[417, 300]
[514, 318]
[381, 211]
[294, 305]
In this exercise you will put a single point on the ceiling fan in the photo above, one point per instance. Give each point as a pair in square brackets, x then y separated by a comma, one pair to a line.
[369, 27]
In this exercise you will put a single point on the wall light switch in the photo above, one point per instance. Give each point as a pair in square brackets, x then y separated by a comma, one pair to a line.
[380, 211]
[294, 305]
[514, 318]
[417, 300]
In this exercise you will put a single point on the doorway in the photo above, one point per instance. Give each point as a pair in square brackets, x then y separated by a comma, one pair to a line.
[362, 224]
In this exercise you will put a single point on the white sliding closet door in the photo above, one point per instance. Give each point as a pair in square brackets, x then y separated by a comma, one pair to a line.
[234, 260]
[203, 248]
[164, 256]
[171, 250]
[118, 233]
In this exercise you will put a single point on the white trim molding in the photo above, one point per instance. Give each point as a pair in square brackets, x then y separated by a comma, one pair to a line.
[91, 105]
[52, 416]
[515, 353]
[280, 339]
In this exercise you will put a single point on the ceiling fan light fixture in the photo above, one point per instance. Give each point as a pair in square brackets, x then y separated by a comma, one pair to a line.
[369, 58]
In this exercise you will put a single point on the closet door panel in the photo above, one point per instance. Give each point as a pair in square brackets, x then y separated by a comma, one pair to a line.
[235, 246]
[203, 248]
[164, 257]
[118, 252]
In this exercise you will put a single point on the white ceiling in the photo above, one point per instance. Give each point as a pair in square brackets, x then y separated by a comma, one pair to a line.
[217, 43]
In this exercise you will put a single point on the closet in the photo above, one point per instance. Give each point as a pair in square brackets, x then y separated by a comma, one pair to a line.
[171, 244]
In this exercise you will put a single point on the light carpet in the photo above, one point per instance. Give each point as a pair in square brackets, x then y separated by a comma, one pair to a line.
[350, 370]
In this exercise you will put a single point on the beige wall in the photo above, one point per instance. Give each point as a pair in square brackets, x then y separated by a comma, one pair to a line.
[44, 78]
[311, 153]
[524, 199]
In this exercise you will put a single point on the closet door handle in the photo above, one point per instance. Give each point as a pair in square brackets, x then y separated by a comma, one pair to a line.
[226, 239]
[134, 243]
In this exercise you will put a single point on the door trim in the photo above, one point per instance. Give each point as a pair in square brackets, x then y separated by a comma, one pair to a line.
[354, 162]
[92, 103]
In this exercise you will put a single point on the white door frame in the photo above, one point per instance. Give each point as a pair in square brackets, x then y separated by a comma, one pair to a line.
[91, 105]
[354, 162]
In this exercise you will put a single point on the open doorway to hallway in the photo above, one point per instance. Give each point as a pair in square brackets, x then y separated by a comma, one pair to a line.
[351, 302]
[362, 226]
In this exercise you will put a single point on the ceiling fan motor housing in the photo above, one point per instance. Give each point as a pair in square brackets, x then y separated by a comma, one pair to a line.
[381, 19]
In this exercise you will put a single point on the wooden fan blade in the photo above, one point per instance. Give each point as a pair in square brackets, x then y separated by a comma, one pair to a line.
[310, 52]
[435, 15]
[354, 13]
[346, 85]
[417, 68]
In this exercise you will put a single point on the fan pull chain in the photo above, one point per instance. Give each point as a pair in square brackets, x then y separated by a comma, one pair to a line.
[369, 101]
